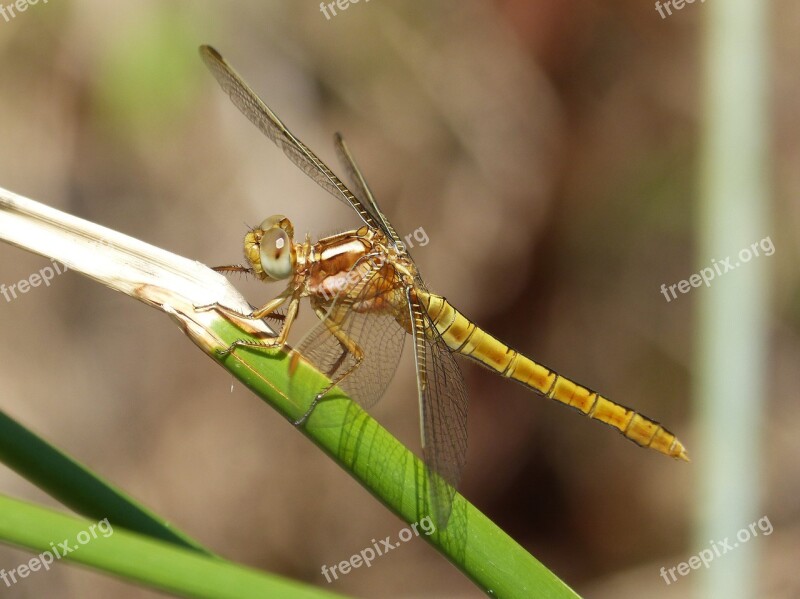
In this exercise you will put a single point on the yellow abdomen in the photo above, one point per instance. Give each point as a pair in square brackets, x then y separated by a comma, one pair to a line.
[467, 339]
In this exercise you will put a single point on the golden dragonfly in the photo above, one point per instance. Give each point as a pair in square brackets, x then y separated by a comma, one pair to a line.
[368, 294]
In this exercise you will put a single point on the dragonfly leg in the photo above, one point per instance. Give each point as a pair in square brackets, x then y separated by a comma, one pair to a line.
[349, 346]
[266, 310]
[236, 313]
[233, 268]
[338, 363]
[276, 342]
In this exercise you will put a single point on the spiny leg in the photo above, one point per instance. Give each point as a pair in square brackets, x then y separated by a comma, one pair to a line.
[339, 360]
[278, 317]
[266, 310]
[349, 346]
[233, 268]
[276, 342]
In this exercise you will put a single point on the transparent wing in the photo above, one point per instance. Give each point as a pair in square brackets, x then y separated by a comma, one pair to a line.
[377, 335]
[443, 410]
[363, 192]
[270, 125]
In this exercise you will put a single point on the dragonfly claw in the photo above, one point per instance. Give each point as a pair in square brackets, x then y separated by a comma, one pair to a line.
[310, 409]
[224, 352]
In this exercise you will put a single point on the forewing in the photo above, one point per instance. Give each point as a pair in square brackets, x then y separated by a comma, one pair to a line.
[262, 117]
[443, 411]
[362, 191]
[378, 335]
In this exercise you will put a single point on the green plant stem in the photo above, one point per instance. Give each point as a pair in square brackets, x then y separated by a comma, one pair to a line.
[391, 472]
[377, 460]
[134, 557]
[78, 488]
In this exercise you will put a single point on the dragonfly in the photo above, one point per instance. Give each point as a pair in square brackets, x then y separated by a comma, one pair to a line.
[368, 295]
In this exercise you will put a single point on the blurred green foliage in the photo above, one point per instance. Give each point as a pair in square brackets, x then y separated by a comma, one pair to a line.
[147, 79]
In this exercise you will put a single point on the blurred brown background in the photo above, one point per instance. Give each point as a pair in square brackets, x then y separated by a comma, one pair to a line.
[549, 150]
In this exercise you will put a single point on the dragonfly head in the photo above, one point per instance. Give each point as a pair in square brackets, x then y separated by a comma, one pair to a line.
[270, 249]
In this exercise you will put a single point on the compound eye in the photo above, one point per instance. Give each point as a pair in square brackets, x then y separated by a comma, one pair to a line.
[275, 250]
[277, 220]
